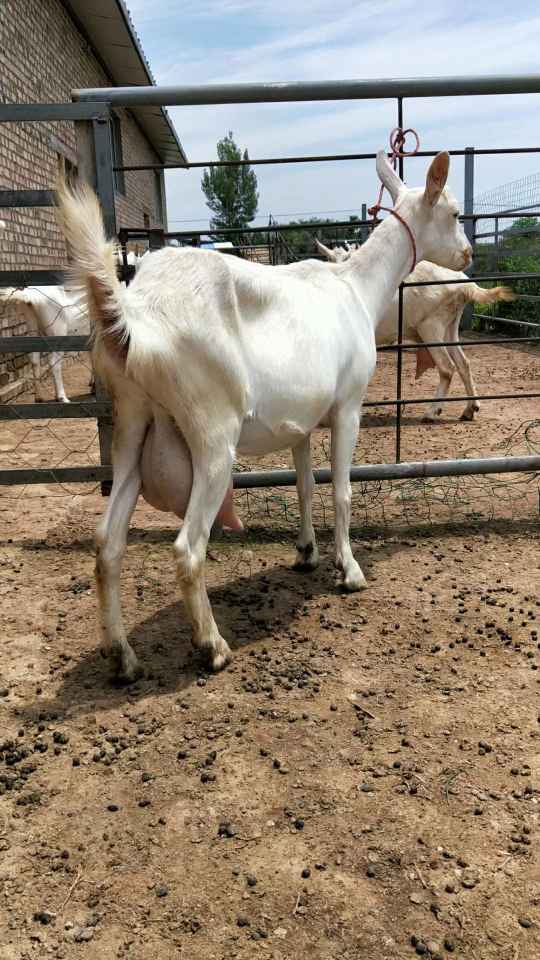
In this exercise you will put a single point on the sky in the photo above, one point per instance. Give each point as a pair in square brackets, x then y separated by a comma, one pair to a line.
[221, 41]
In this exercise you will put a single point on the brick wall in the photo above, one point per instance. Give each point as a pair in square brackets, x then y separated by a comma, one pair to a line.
[42, 58]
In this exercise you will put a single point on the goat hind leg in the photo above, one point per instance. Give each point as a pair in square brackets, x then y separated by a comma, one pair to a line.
[463, 367]
[56, 370]
[211, 477]
[111, 539]
[307, 552]
[445, 369]
[35, 360]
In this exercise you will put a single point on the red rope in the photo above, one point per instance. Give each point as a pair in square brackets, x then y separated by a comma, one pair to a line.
[397, 149]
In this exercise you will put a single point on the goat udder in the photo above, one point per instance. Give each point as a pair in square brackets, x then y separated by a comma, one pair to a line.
[167, 475]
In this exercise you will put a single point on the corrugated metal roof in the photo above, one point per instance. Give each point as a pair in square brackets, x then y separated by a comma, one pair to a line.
[111, 34]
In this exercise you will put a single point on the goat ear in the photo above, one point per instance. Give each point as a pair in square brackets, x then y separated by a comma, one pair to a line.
[436, 177]
[388, 176]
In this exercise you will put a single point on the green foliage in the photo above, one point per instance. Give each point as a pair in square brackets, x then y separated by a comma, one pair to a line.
[520, 245]
[231, 192]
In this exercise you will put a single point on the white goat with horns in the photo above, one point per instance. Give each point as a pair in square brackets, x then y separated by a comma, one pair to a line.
[432, 314]
[220, 355]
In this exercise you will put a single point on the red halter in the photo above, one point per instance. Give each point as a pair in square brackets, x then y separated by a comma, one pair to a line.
[405, 224]
[397, 143]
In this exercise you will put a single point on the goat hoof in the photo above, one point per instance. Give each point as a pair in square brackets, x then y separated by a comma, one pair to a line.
[130, 674]
[307, 558]
[220, 659]
[469, 412]
[125, 665]
[354, 580]
[63, 400]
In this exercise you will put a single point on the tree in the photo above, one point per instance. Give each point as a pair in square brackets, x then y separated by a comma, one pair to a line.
[231, 192]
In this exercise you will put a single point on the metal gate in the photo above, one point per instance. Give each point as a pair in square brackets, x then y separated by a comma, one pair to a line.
[91, 113]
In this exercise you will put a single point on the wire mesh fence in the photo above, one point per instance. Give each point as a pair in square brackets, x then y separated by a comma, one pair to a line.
[59, 443]
[503, 429]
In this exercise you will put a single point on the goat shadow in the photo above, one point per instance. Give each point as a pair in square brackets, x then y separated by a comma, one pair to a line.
[253, 610]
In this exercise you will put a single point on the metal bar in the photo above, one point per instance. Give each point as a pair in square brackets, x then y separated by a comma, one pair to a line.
[139, 233]
[28, 278]
[469, 225]
[69, 344]
[475, 279]
[399, 375]
[36, 112]
[296, 92]
[468, 199]
[489, 396]
[55, 411]
[516, 323]
[250, 479]
[103, 152]
[105, 434]
[104, 174]
[156, 239]
[26, 198]
[399, 365]
[317, 158]
[533, 212]
[55, 475]
[464, 343]
[77, 344]
[394, 471]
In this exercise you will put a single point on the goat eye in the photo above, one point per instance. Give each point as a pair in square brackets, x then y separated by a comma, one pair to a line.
[456, 216]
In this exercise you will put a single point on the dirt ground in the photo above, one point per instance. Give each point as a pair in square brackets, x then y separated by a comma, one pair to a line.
[362, 782]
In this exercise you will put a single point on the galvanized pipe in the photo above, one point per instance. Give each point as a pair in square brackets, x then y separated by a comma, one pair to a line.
[318, 158]
[251, 479]
[296, 92]
[459, 399]
[394, 471]
[140, 233]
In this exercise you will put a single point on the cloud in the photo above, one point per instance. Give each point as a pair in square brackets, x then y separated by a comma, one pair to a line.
[205, 41]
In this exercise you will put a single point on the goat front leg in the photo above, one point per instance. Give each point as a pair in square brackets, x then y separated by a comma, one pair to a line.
[344, 425]
[211, 478]
[307, 552]
[111, 539]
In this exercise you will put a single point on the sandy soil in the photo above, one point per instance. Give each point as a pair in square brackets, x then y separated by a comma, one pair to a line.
[364, 779]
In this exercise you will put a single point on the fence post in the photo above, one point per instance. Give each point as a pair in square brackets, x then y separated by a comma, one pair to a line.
[156, 239]
[103, 152]
[470, 228]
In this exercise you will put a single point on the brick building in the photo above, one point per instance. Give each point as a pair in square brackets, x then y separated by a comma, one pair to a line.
[48, 48]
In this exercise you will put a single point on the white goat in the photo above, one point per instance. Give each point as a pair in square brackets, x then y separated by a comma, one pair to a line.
[229, 355]
[49, 312]
[432, 314]
[54, 312]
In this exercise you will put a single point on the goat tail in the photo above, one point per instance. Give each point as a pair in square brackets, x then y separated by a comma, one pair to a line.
[92, 269]
[476, 294]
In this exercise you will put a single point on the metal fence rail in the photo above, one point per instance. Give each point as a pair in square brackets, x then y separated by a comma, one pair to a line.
[91, 112]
